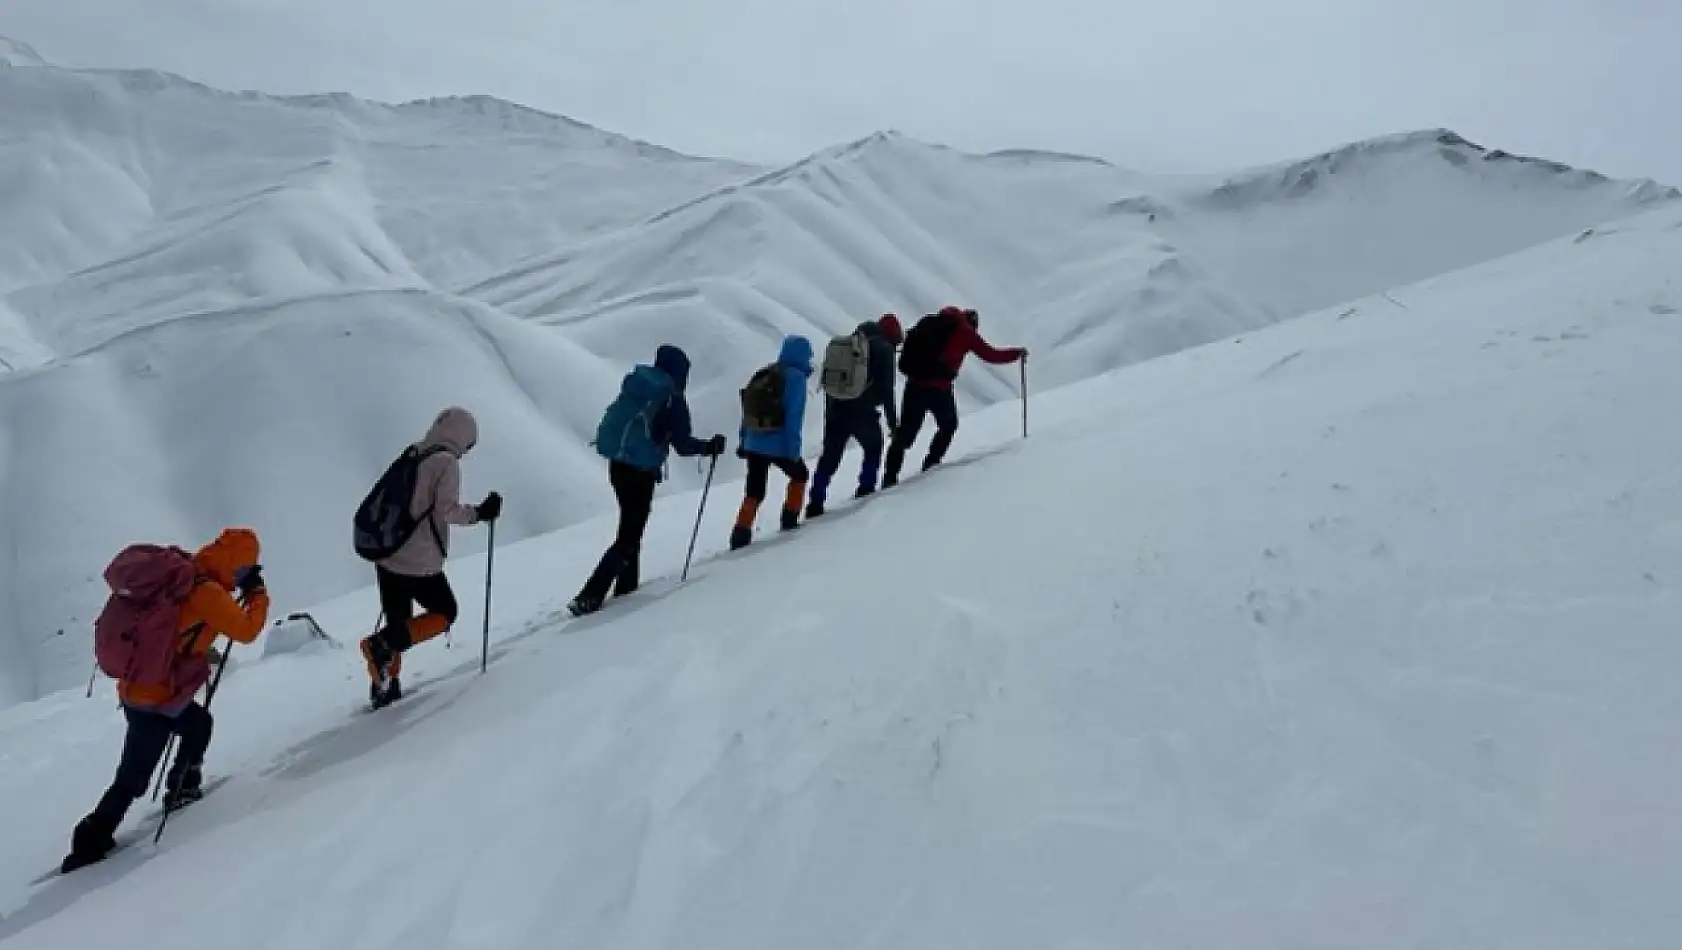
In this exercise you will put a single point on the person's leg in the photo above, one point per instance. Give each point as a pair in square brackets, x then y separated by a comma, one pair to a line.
[635, 490]
[869, 433]
[438, 605]
[186, 774]
[798, 475]
[835, 432]
[912, 409]
[612, 562]
[143, 745]
[944, 406]
[759, 470]
[380, 650]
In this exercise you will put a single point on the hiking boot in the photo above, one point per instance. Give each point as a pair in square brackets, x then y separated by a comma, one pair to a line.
[814, 509]
[91, 841]
[582, 605]
[378, 655]
[740, 538]
[190, 778]
[381, 698]
[865, 491]
[178, 798]
[791, 519]
[889, 481]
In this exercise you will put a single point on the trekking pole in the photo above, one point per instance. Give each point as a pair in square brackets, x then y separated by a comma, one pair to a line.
[163, 763]
[485, 638]
[209, 697]
[91, 674]
[698, 512]
[1024, 366]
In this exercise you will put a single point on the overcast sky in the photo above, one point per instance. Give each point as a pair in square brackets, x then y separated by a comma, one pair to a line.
[1168, 85]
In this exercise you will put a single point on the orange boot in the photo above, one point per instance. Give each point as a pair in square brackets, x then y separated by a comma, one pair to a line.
[791, 505]
[742, 534]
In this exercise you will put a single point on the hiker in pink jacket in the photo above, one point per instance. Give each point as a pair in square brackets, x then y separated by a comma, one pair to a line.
[415, 573]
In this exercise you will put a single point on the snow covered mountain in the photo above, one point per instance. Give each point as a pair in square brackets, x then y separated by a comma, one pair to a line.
[1354, 631]
[226, 307]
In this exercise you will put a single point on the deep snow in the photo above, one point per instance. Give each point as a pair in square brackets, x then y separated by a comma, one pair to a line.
[228, 307]
[1356, 631]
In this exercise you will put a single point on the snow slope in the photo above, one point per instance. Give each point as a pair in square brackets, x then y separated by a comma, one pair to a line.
[1356, 631]
[229, 307]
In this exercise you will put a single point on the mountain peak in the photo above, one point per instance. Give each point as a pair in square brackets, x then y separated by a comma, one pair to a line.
[1298, 179]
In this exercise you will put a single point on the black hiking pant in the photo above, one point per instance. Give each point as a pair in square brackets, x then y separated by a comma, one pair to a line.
[621, 563]
[759, 473]
[399, 593]
[840, 426]
[143, 745]
[921, 401]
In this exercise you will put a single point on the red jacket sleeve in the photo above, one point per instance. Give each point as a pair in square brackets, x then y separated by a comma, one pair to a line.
[975, 344]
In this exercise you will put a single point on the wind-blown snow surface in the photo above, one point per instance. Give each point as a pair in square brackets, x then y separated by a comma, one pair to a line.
[1357, 631]
[228, 307]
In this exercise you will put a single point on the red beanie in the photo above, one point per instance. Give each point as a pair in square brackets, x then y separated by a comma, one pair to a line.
[891, 328]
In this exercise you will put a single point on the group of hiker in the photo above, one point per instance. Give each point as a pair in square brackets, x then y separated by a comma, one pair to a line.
[157, 631]
[650, 418]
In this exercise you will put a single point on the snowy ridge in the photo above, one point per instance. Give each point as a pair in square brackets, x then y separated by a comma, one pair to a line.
[1292, 645]
[227, 297]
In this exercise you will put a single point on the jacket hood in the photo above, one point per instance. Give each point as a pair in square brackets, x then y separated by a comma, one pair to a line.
[674, 363]
[797, 353]
[233, 549]
[455, 430]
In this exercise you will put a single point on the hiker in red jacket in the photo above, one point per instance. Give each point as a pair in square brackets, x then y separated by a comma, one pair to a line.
[934, 352]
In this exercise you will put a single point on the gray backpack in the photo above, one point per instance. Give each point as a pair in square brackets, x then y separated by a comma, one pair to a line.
[846, 366]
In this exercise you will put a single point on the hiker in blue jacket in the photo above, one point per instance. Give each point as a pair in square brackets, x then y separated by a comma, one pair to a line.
[773, 411]
[649, 417]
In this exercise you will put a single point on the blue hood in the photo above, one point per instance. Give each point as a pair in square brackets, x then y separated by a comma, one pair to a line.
[797, 354]
[675, 363]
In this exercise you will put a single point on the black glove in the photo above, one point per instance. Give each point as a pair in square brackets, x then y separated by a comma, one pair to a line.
[716, 446]
[249, 580]
[491, 508]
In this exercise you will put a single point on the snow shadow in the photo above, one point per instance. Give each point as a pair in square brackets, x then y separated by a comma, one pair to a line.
[369, 729]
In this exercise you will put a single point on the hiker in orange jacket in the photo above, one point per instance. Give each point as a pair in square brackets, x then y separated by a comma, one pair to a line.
[155, 712]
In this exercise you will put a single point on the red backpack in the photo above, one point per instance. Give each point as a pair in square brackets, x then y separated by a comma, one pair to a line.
[136, 638]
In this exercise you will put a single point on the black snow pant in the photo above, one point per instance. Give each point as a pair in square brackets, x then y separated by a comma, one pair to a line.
[759, 474]
[919, 402]
[840, 426]
[143, 745]
[620, 566]
[399, 593]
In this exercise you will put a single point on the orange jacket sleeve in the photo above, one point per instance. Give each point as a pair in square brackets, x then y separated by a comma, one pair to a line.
[212, 605]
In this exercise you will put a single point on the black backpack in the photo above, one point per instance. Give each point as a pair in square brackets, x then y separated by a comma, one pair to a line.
[919, 357]
[383, 523]
[762, 400]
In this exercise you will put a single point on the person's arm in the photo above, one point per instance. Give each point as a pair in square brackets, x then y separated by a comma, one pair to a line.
[680, 429]
[446, 495]
[211, 604]
[882, 373]
[794, 409]
[988, 354]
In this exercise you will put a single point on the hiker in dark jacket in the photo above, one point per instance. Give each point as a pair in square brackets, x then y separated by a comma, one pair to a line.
[649, 418]
[848, 419]
[779, 447]
[928, 389]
